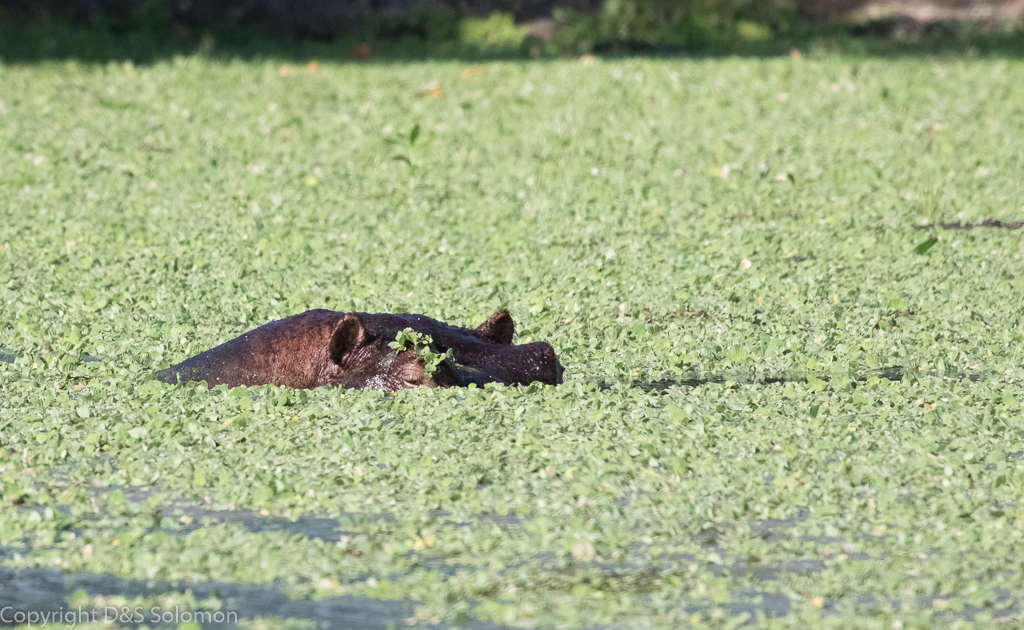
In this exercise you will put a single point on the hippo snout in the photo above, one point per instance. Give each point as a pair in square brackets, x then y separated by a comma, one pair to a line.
[513, 365]
[552, 367]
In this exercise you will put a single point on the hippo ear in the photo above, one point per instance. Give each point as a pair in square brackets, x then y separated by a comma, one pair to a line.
[350, 335]
[498, 328]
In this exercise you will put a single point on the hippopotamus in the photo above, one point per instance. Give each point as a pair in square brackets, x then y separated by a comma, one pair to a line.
[357, 350]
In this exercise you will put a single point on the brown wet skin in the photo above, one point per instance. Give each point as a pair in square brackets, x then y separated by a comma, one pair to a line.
[326, 348]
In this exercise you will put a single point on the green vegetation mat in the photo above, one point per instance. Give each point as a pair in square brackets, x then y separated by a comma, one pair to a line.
[793, 377]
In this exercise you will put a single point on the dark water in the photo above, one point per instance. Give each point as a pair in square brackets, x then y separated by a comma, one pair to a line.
[7, 355]
[890, 373]
[48, 590]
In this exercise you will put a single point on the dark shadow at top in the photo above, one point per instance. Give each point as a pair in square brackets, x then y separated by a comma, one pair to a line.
[27, 39]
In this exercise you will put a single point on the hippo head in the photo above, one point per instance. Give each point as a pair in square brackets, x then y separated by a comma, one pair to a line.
[358, 350]
[362, 358]
[486, 354]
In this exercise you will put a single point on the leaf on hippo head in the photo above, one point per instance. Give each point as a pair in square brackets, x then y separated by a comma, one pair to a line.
[433, 361]
[409, 339]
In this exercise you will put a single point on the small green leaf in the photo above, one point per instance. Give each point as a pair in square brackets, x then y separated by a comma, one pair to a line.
[410, 339]
[926, 245]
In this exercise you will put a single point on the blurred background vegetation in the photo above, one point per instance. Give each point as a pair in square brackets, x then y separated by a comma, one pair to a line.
[390, 29]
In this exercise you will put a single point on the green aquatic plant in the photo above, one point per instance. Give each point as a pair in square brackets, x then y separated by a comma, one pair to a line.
[787, 293]
[409, 339]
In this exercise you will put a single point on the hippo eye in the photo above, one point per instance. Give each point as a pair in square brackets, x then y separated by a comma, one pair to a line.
[412, 379]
